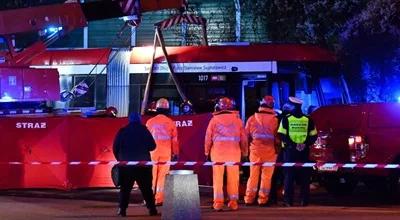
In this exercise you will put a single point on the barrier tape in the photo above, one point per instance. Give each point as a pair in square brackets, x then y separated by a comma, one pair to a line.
[321, 166]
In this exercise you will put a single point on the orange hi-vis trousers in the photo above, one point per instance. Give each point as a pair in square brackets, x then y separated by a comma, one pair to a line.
[159, 173]
[260, 155]
[225, 141]
[231, 155]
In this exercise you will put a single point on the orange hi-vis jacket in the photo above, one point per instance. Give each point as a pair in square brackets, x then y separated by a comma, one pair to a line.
[226, 139]
[262, 129]
[165, 134]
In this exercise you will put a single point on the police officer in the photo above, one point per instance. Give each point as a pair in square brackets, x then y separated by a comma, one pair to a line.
[225, 141]
[262, 130]
[297, 133]
[134, 143]
[164, 132]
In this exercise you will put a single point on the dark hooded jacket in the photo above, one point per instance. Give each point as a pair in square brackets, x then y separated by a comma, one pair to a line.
[133, 142]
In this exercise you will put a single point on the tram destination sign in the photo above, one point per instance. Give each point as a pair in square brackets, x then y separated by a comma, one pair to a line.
[214, 67]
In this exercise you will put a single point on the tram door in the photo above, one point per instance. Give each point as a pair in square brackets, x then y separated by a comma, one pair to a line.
[254, 90]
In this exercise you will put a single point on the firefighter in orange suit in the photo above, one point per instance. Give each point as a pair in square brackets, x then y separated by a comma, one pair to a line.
[225, 141]
[164, 132]
[262, 131]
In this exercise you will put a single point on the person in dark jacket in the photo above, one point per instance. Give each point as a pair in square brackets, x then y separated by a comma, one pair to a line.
[134, 143]
[277, 177]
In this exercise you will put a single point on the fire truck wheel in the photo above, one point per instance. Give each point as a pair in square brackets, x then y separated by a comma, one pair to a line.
[387, 185]
[339, 185]
[394, 183]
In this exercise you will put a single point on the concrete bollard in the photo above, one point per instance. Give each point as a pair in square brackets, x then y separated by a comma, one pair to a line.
[181, 196]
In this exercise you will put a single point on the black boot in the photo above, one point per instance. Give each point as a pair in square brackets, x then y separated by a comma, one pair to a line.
[121, 212]
[153, 212]
[304, 203]
[287, 204]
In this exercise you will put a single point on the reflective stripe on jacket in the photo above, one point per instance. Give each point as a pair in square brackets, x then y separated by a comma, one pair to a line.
[226, 135]
[262, 128]
[164, 132]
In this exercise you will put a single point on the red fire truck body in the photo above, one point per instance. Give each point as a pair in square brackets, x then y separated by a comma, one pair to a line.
[359, 134]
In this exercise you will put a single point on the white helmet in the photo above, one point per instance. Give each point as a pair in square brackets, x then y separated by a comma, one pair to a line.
[162, 104]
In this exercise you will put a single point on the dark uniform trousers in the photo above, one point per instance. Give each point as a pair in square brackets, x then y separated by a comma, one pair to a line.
[143, 176]
[303, 174]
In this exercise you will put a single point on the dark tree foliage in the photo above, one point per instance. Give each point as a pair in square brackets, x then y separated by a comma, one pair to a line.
[364, 34]
[379, 23]
[283, 20]
[371, 39]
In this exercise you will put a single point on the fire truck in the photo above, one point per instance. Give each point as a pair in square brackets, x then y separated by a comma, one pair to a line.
[358, 134]
[36, 141]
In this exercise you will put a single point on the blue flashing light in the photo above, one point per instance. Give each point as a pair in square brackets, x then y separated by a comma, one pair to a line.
[6, 98]
[54, 29]
[398, 99]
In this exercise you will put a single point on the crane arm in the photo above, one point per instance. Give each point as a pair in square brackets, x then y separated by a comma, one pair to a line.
[98, 10]
[54, 21]
[75, 15]
[24, 20]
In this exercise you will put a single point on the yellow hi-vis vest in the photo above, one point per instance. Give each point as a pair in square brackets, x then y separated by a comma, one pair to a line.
[297, 129]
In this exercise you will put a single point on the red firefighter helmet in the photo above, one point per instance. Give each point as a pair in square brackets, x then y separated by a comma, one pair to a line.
[225, 103]
[267, 101]
[111, 111]
[162, 104]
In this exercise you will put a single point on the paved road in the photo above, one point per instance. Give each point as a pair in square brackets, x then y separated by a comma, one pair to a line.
[101, 204]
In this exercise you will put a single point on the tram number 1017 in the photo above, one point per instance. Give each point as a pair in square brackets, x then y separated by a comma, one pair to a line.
[203, 78]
